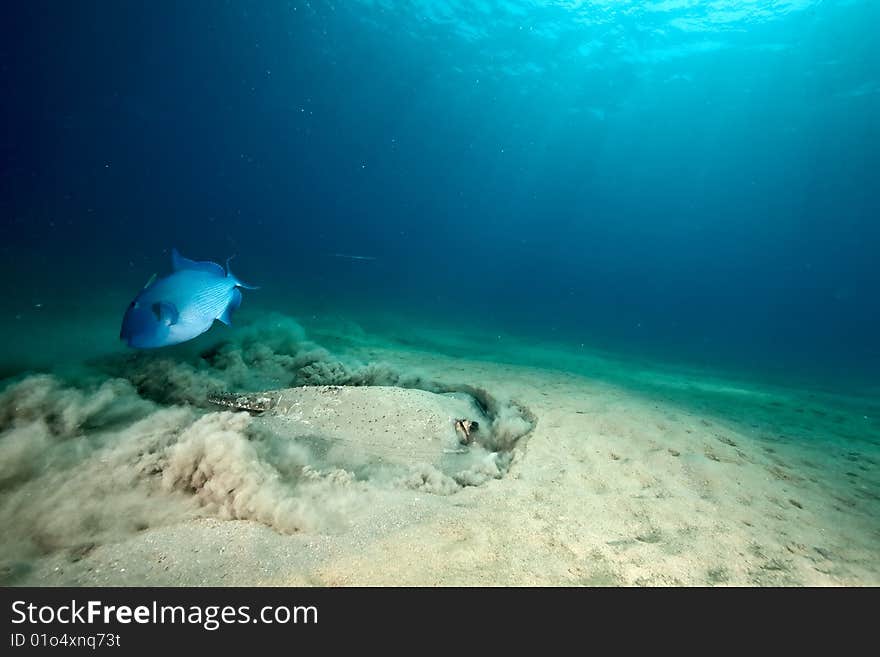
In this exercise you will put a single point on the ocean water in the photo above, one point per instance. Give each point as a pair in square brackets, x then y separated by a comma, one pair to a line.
[645, 193]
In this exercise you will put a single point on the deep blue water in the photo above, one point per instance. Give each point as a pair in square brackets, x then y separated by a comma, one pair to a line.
[694, 180]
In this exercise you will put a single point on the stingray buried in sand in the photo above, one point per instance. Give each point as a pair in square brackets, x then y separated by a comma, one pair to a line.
[352, 425]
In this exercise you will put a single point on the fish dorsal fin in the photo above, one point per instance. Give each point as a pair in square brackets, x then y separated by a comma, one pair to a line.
[179, 263]
[166, 312]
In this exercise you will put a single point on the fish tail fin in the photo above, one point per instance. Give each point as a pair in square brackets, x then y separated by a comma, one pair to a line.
[238, 281]
[245, 286]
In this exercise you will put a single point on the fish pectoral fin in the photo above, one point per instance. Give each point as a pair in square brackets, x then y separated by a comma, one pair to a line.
[166, 312]
[234, 303]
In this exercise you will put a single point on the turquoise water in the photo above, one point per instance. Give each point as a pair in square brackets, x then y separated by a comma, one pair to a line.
[648, 229]
[688, 180]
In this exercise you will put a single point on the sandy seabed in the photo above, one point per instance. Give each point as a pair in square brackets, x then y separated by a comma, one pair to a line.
[601, 472]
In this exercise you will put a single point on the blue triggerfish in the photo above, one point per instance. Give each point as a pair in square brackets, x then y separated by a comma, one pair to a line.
[182, 305]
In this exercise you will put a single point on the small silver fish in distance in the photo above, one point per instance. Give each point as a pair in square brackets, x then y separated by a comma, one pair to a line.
[182, 305]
